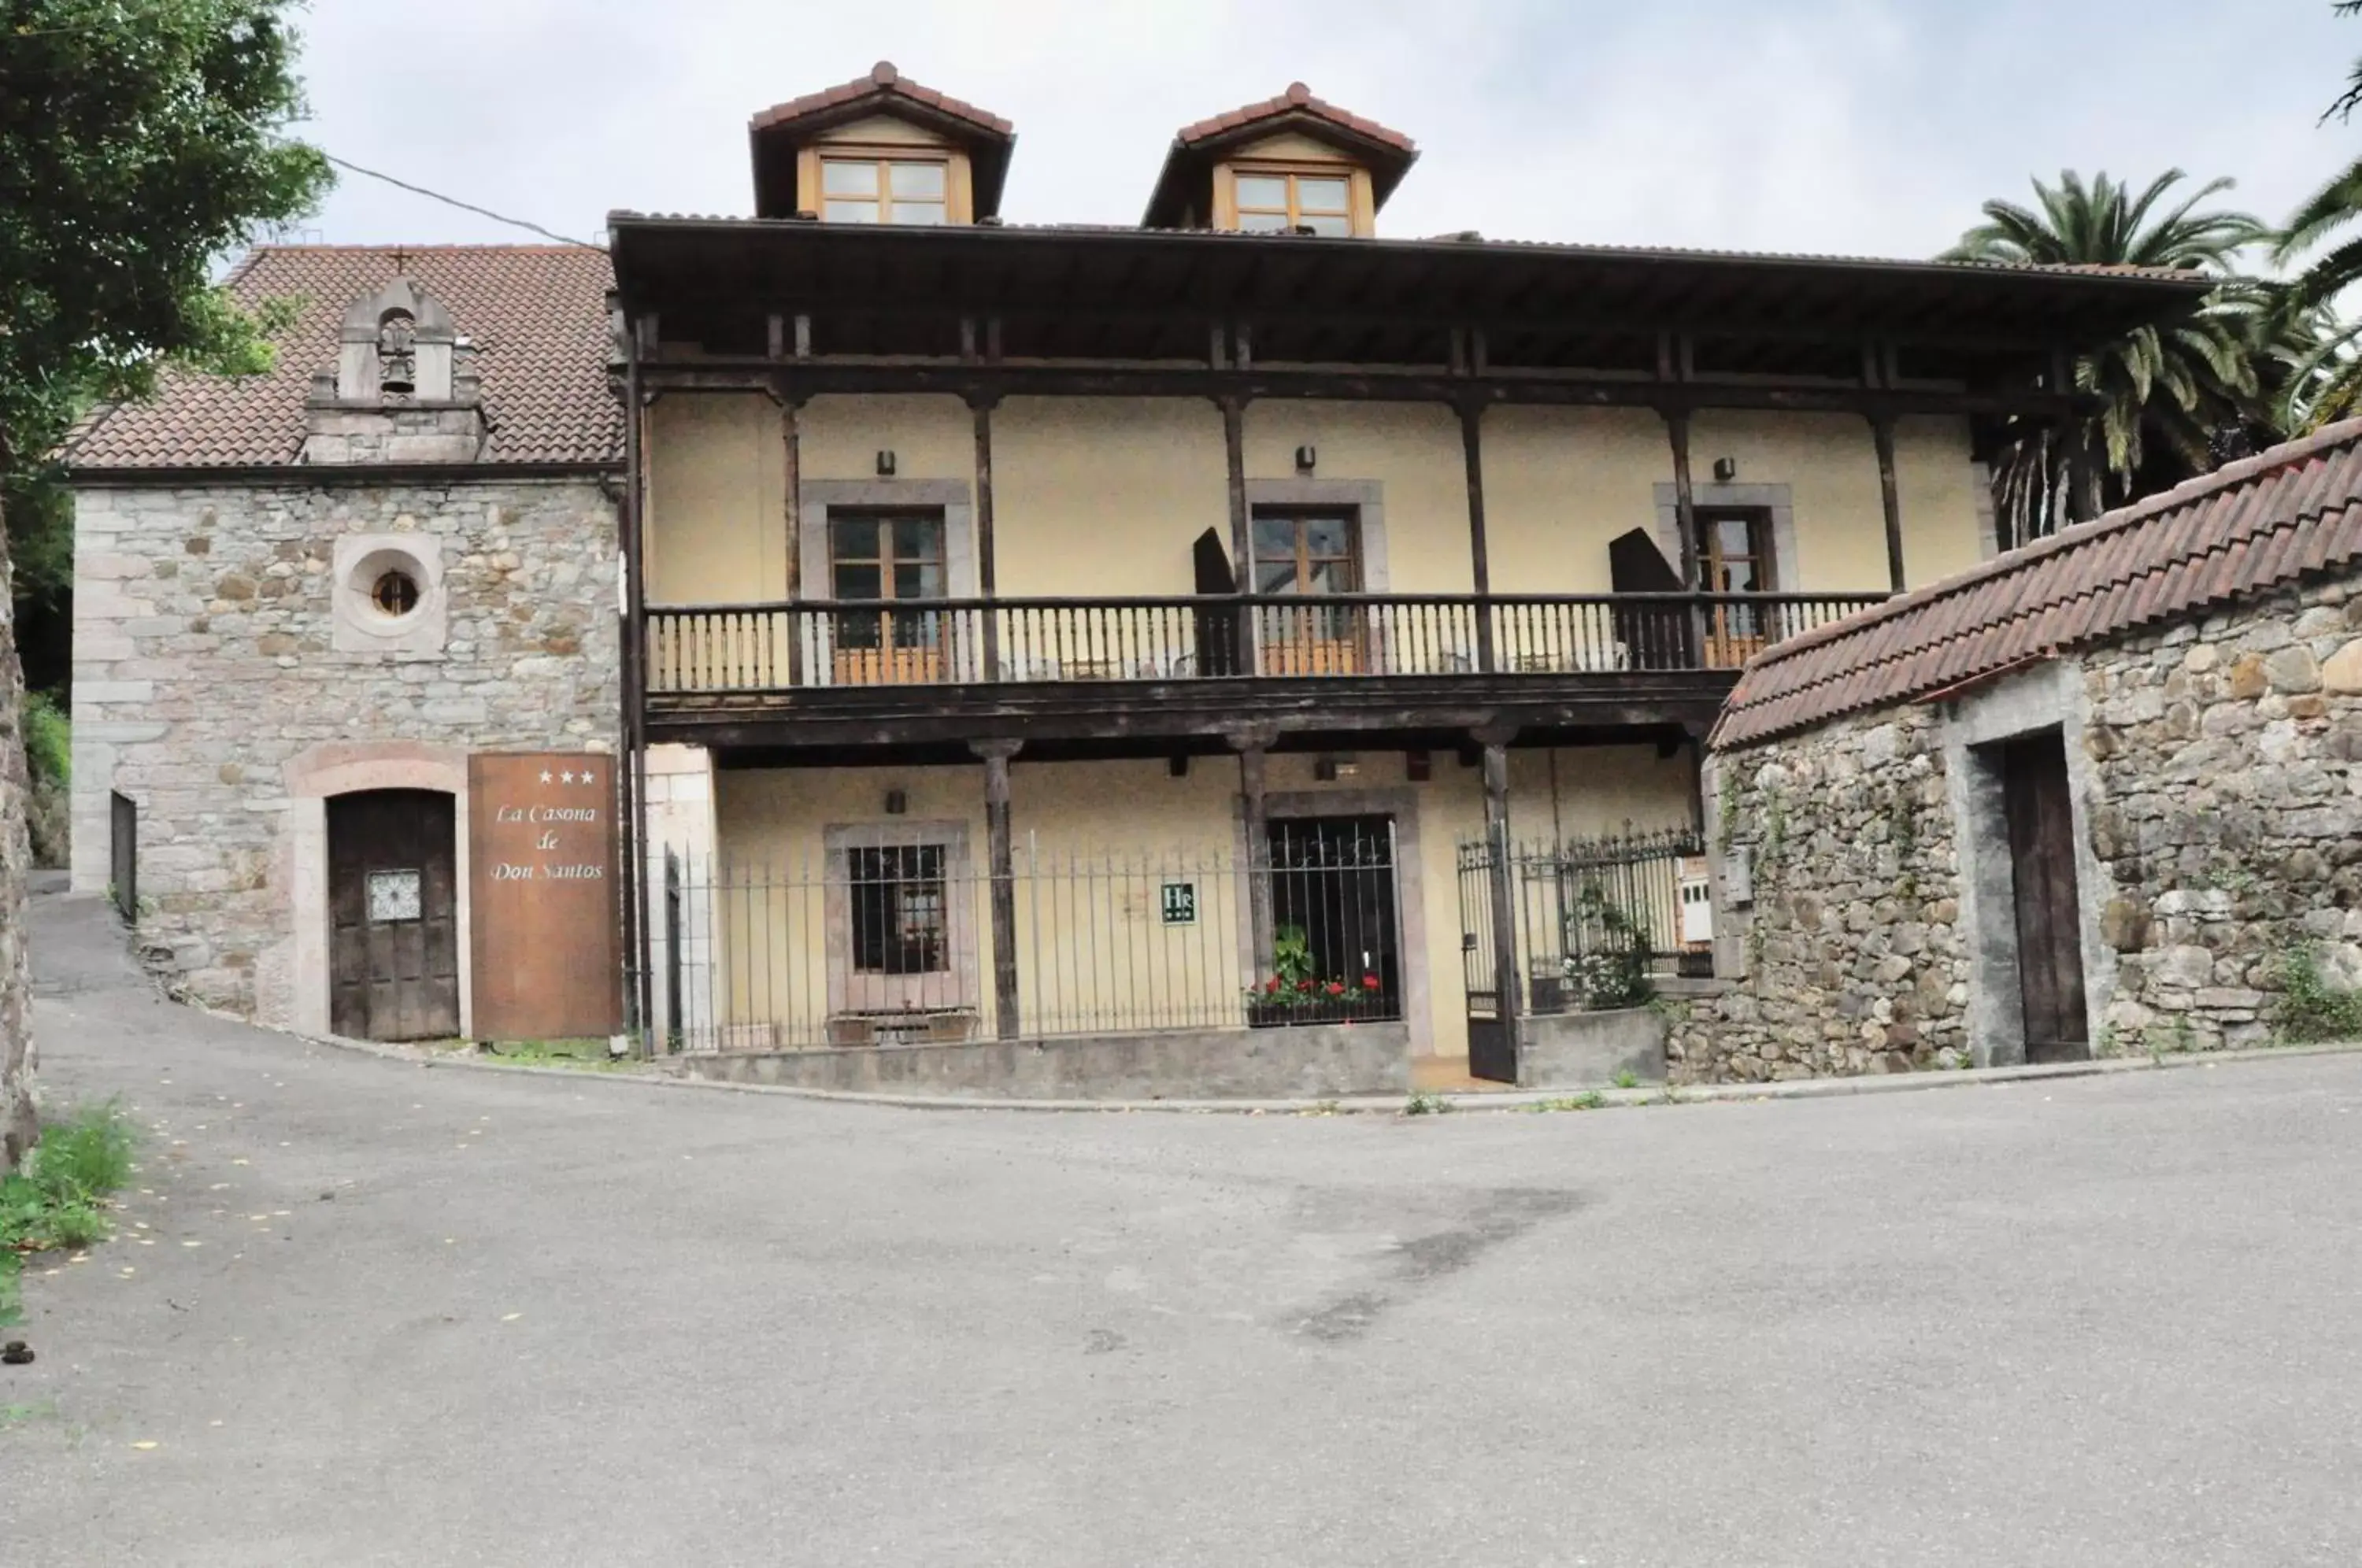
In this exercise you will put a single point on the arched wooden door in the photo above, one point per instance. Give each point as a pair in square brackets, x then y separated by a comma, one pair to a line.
[394, 915]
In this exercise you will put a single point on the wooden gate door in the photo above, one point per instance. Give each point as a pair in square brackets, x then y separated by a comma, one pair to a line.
[394, 950]
[2040, 812]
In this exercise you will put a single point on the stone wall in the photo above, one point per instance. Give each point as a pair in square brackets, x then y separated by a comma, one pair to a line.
[1849, 957]
[208, 657]
[18, 1129]
[2218, 771]
[2230, 756]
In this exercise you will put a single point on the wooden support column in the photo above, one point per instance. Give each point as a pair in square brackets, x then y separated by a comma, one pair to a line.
[792, 455]
[1001, 854]
[1254, 810]
[634, 643]
[1882, 429]
[1472, 417]
[1505, 981]
[1677, 429]
[986, 577]
[1234, 456]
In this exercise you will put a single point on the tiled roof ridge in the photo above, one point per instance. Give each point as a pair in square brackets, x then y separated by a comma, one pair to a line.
[2197, 488]
[2251, 527]
[883, 81]
[537, 313]
[1584, 248]
[433, 248]
[1296, 98]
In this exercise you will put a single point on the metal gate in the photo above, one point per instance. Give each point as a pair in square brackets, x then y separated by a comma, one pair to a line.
[1597, 923]
[123, 856]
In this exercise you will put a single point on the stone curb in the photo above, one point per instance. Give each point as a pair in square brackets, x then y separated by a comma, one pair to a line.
[1386, 1104]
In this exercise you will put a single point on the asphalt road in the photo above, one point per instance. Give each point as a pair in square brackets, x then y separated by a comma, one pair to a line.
[378, 1314]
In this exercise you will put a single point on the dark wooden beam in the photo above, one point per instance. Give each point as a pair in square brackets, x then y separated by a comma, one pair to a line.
[1472, 421]
[1148, 718]
[1677, 429]
[633, 785]
[1510, 384]
[987, 576]
[1882, 429]
[1506, 983]
[792, 446]
[1234, 458]
[1000, 853]
[1254, 810]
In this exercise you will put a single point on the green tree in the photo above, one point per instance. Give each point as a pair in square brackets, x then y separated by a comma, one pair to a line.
[2328, 380]
[2163, 394]
[140, 140]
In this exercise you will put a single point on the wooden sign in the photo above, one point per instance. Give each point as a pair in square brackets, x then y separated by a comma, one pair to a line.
[544, 917]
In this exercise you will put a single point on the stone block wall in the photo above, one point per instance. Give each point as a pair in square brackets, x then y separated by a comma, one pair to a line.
[204, 663]
[1851, 958]
[2221, 808]
[18, 1129]
[2230, 756]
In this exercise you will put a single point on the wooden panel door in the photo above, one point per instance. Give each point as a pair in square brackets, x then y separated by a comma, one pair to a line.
[2040, 812]
[393, 948]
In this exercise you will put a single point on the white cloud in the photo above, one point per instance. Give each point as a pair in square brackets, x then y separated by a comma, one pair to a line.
[1858, 126]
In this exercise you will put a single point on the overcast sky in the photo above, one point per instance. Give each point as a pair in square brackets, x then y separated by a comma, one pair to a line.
[1862, 126]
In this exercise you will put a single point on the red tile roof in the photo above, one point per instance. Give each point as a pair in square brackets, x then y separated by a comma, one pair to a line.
[882, 82]
[536, 314]
[1297, 100]
[2254, 526]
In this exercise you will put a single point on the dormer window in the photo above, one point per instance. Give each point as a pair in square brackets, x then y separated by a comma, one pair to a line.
[1290, 163]
[1275, 201]
[885, 190]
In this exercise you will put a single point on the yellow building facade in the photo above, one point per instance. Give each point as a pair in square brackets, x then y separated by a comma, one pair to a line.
[1243, 627]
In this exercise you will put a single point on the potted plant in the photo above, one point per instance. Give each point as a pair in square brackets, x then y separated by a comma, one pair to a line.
[1295, 991]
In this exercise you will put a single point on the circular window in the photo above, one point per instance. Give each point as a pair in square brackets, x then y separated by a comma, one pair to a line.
[395, 593]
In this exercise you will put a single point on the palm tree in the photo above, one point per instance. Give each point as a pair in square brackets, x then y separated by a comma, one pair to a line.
[2329, 378]
[2164, 394]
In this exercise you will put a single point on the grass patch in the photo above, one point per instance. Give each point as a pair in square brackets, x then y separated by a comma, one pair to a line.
[1426, 1105]
[2311, 1008]
[60, 1199]
[589, 1056]
[1590, 1100]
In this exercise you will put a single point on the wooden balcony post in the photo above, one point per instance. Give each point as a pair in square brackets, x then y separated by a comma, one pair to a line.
[1235, 455]
[981, 403]
[1882, 429]
[1505, 981]
[1677, 428]
[1471, 417]
[791, 444]
[1001, 855]
[1254, 810]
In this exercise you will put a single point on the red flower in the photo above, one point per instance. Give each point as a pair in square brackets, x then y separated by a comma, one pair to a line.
[1304, 985]
[1272, 985]
[1336, 988]
[1369, 982]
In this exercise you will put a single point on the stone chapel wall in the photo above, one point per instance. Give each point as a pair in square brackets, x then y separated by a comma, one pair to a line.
[222, 632]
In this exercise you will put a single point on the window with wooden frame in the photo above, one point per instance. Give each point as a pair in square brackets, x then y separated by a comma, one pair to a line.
[896, 558]
[859, 188]
[1734, 548]
[900, 909]
[1307, 553]
[1278, 200]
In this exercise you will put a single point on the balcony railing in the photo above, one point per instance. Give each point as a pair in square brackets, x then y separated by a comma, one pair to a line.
[721, 648]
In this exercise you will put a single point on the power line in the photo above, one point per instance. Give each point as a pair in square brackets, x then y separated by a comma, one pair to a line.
[464, 207]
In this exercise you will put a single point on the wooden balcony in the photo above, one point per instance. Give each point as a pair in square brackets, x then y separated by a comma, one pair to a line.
[1149, 674]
